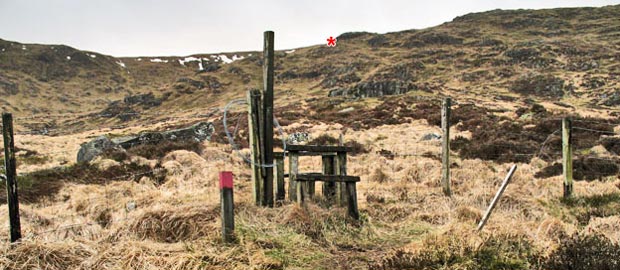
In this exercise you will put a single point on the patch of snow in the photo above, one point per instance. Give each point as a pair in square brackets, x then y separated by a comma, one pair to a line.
[200, 66]
[205, 59]
[2, 49]
[225, 59]
[188, 59]
[212, 56]
[24, 47]
[291, 51]
[157, 60]
[93, 56]
[235, 57]
[139, 59]
[249, 54]
[120, 63]
[68, 57]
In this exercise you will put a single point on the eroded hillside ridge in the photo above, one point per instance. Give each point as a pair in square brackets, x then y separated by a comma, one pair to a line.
[567, 53]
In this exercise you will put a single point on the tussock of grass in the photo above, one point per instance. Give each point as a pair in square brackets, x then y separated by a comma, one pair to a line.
[175, 224]
[465, 251]
[41, 255]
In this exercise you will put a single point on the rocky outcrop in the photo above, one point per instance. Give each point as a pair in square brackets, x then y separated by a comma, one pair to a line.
[94, 148]
[198, 132]
[539, 85]
[373, 89]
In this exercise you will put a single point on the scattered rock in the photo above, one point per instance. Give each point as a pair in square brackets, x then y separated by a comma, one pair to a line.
[430, 137]
[298, 138]
[347, 110]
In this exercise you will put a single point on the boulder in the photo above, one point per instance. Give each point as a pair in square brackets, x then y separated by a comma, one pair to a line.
[92, 149]
[198, 132]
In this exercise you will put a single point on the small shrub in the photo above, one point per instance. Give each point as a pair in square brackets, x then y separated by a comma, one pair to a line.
[585, 252]
[159, 150]
[379, 176]
[455, 252]
[358, 148]
[324, 139]
[118, 155]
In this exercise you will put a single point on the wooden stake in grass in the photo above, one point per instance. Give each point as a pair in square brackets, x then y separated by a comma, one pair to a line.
[11, 176]
[567, 156]
[253, 126]
[445, 146]
[228, 207]
[496, 198]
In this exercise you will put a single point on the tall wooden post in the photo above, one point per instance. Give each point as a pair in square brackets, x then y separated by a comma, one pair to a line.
[267, 108]
[253, 126]
[228, 207]
[445, 146]
[567, 156]
[11, 176]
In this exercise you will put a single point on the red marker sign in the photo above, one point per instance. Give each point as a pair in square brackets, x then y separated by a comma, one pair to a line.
[226, 180]
[331, 42]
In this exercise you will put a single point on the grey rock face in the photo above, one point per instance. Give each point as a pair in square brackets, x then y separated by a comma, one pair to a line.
[198, 132]
[431, 136]
[92, 149]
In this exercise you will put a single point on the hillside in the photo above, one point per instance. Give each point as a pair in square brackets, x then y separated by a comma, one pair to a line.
[512, 75]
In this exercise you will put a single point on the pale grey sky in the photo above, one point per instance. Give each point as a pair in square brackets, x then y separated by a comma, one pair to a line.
[183, 27]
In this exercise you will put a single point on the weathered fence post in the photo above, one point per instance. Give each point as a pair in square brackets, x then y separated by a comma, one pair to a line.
[11, 176]
[567, 156]
[279, 175]
[329, 188]
[352, 201]
[228, 207]
[268, 116]
[293, 168]
[445, 146]
[496, 198]
[253, 126]
[341, 192]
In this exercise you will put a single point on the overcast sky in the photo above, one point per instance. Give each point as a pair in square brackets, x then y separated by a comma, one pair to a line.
[183, 27]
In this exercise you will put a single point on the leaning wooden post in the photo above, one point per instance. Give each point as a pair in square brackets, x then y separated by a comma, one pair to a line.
[279, 175]
[293, 168]
[11, 176]
[253, 126]
[228, 207]
[268, 116]
[329, 188]
[567, 156]
[496, 198]
[445, 146]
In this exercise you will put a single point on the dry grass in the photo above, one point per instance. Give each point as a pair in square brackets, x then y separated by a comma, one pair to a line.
[406, 222]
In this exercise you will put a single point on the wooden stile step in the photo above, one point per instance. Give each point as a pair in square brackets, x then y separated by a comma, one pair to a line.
[327, 178]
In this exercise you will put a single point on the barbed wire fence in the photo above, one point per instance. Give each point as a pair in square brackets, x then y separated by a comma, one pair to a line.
[419, 150]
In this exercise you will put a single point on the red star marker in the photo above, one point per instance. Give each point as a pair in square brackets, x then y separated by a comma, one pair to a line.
[331, 42]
